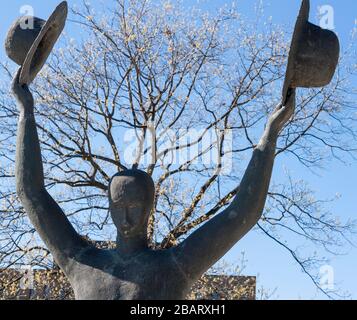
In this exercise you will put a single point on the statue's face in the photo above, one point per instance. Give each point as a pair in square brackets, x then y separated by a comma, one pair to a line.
[131, 196]
[129, 218]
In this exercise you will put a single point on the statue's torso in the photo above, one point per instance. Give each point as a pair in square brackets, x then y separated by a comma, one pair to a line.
[104, 275]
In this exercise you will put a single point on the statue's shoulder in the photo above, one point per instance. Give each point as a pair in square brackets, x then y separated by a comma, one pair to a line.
[92, 256]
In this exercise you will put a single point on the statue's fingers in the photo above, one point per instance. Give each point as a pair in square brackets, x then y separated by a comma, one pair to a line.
[291, 96]
[279, 106]
[17, 87]
[17, 75]
[16, 80]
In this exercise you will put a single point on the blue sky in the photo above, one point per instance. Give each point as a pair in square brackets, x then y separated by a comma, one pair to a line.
[274, 267]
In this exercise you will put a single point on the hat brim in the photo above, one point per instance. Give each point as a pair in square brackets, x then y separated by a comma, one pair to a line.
[45, 41]
[301, 23]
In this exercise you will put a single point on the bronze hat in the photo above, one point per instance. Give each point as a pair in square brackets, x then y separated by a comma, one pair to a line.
[30, 47]
[313, 56]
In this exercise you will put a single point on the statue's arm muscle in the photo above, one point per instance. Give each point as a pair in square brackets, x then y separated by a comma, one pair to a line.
[45, 214]
[204, 247]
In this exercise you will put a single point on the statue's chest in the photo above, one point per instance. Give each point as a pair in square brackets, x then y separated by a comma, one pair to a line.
[149, 276]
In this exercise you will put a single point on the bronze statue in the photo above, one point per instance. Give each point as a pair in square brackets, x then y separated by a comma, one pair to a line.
[133, 270]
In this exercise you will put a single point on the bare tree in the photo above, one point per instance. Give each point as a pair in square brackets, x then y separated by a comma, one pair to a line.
[164, 88]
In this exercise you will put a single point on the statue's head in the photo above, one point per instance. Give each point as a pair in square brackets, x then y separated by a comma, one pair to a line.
[131, 198]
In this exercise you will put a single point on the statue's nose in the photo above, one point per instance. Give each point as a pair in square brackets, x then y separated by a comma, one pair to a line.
[125, 218]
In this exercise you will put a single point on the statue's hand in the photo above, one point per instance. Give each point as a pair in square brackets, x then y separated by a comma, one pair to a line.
[22, 94]
[283, 113]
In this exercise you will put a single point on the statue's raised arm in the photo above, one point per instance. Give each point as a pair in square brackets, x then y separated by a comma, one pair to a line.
[29, 43]
[312, 62]
[45, 214]
[214, 239]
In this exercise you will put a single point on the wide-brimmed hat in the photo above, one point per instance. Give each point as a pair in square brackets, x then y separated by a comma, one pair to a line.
[30, 47]
[313, 56]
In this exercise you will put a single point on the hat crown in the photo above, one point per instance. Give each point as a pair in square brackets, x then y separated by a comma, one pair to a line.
[314, 54]
[316, 57]
[21, 36]
[30, 41]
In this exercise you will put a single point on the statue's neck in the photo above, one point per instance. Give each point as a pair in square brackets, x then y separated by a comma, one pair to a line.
[131, 246]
